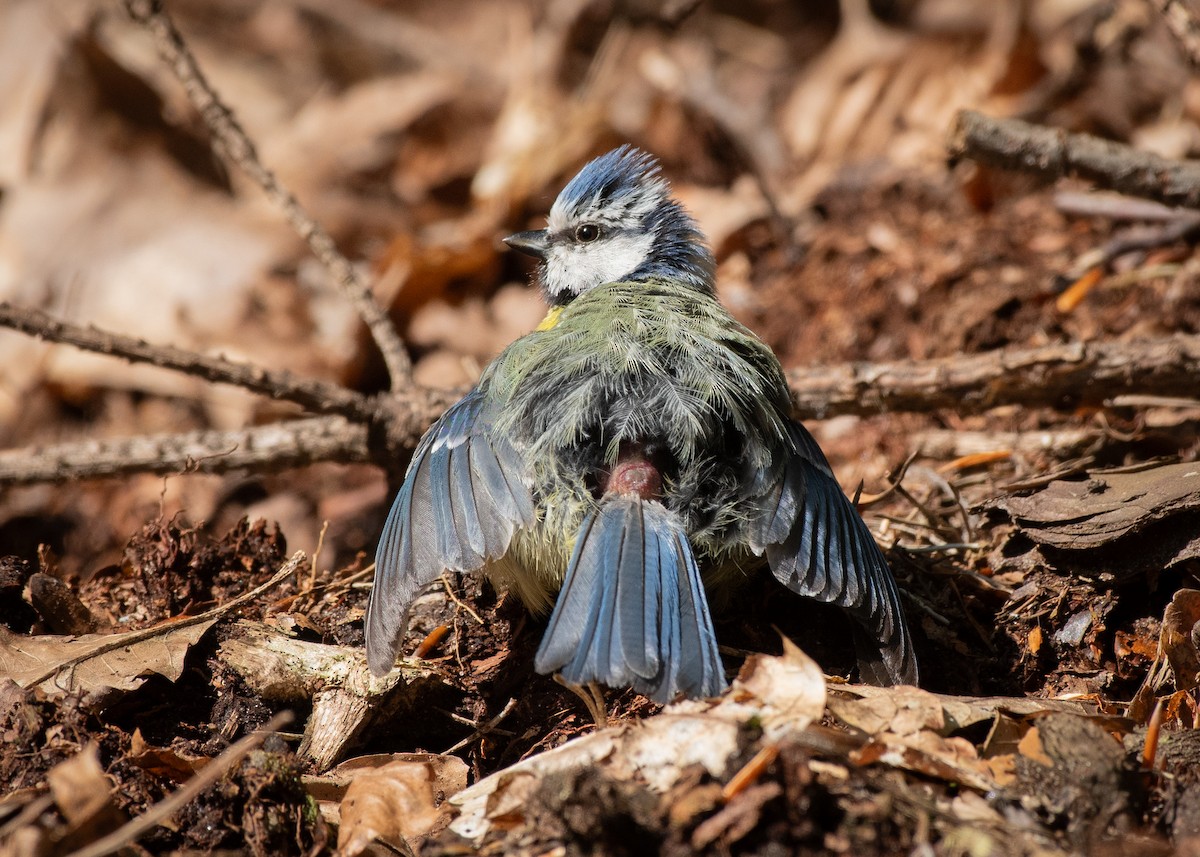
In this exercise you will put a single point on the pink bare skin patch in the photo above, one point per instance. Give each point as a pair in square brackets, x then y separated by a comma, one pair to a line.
[634, 475]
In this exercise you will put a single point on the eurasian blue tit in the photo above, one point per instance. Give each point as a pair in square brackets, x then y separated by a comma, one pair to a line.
[634, 449]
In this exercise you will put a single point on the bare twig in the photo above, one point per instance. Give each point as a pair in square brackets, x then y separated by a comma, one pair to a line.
[317, 396]
[1063, 375]
[1183, 24]
[1052, 154]
[1114, 206]
[209, 775]
[172, 625]
[232, 141]
[263, 448]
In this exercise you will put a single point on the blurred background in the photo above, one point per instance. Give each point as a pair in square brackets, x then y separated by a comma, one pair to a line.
[807, 138]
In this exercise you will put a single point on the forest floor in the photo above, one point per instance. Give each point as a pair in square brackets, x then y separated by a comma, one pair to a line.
[1047, 555]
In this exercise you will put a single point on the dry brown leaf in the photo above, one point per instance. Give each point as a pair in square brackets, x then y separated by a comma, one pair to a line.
[959, 712]
[83, 794]
[163, 761]
[947, 759]
[397, 801]
[97, 663]
[78, 784]
[1180, 638]
[906, 711]
[1030, 747]
[1178, 655]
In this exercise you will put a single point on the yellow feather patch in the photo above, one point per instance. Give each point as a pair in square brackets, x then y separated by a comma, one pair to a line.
[551, 318]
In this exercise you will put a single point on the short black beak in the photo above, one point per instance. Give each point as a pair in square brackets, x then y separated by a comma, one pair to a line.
[532, 243]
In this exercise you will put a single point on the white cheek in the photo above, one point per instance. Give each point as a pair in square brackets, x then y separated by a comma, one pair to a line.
[577, 268]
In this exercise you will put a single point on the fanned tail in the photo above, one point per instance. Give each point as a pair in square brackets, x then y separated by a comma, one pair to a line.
[632, 610]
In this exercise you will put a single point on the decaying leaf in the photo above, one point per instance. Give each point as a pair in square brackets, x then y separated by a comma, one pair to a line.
[99, 664]
[83, 795]
[164, 761]
[898, 709]
[1180, 639]
[396, 801]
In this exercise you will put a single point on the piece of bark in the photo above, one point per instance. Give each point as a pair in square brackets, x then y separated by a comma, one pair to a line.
[1091, 514]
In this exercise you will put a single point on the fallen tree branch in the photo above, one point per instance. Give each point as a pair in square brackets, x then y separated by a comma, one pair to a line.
[231, 140]
[262, 448]
[1052, 153]
[316, 396]
[1065, 375]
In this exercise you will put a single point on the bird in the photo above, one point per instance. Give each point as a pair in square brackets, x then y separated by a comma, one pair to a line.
[628, 457]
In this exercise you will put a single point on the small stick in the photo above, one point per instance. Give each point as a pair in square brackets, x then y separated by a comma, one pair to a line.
[269, 447]
[750, 772]
[483, 730]
[208, 776]
[123, 640]
[449, 587]
[317, 396]
[235, 144]
[1052, 153]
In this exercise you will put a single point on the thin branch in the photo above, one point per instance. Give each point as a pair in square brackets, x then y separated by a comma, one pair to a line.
[270, 447]
[1052, 153]
[317, 396]
[1064, 375]
[232, 141]
[1184, 26]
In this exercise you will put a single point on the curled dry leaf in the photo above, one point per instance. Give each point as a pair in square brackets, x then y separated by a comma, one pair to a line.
[1180, 639]
[1178, 655]
[783, 694]
[397, 801]
[166, 762]
[912, 729]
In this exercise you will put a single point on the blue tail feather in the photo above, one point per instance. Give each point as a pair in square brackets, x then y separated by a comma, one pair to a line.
[632, 609]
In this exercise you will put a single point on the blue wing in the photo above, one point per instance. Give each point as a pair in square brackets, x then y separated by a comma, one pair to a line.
[818, 546]
[632, 609]
[463, 497]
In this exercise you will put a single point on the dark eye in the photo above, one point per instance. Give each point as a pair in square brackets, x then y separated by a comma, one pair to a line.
[587, 232]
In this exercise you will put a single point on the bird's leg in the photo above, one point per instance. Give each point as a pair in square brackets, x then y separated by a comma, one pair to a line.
[592, 696]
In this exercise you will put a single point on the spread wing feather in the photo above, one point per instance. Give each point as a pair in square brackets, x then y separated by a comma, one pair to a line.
[462, 499]
[818, 546]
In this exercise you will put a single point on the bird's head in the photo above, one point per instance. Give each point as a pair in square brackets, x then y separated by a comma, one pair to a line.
[616, 221]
